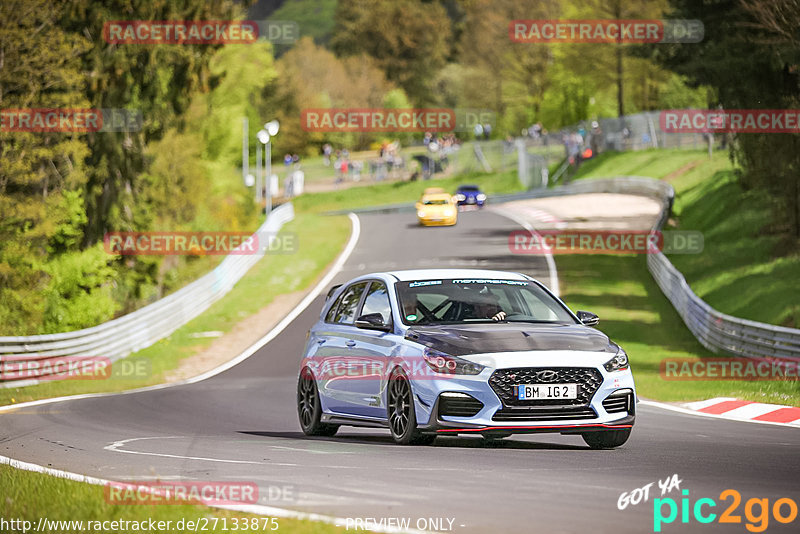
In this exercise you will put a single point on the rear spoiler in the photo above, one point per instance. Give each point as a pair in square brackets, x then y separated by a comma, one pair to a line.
[331, 291]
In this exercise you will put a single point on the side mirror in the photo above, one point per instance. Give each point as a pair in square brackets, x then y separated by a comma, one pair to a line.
[588, 318]
[372, 321]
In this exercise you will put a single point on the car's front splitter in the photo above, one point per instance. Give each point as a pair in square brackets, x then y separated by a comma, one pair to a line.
[445, 428]
[441, 427]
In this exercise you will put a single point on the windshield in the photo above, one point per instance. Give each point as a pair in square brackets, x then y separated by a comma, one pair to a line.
[457, 301]
[435, 202]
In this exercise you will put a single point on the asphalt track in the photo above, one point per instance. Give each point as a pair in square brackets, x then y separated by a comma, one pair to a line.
[241, 425]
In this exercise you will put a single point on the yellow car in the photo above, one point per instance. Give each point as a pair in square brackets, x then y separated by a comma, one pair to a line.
[437, 209]
[433, 191]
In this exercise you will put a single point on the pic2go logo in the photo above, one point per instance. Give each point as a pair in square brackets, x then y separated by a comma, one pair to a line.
[756, 511]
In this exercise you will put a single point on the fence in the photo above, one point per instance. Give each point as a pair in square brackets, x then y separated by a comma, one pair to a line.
[119, 337]
[629, 133]
[715, 330]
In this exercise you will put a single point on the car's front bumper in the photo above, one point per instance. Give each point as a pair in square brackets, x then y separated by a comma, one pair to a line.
[437, 221]
[428, 394]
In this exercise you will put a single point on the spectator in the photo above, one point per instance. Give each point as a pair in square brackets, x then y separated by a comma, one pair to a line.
[596, 138]
[326, 154]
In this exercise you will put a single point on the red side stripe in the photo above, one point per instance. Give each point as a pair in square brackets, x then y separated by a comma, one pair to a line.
[725, 406]
[781, 415]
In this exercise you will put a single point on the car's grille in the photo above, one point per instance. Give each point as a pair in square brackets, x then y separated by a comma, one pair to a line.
[616, 403]
[461, 405]
[547, 413]
[504, 382]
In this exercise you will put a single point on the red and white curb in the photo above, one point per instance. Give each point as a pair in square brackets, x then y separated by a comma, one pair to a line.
[731, 408]
[734, 410]
[742, 410]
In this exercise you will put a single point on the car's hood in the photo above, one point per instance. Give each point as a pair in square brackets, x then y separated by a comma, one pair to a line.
[443, 208]
[487, 338]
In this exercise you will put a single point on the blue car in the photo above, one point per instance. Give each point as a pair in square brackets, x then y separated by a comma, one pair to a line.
[436, 352]
[470, 195]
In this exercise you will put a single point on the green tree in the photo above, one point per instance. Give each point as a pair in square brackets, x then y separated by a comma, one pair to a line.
[750, 56]
[410, 39]
[42, 175]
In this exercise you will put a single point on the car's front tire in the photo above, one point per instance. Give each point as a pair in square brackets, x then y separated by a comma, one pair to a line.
[606, 439]
[309, 409]
[401, 415]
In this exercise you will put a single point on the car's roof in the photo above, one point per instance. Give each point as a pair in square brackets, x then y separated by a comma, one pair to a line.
[436, 196]
[468, 186]
[432, 274]
[433, 190]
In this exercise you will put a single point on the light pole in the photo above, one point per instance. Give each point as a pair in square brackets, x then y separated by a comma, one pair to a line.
[263, 138]
[258, 174]
[271, 129]
[245, 155]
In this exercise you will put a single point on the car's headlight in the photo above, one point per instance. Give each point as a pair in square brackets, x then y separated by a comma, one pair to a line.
[450, 365]
[618, 363]
[420, 213]
[481, 197]
[459, 196]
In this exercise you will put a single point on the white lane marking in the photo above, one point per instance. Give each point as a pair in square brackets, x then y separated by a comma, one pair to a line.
[548, 258]
[686, 411]
[337, 266]
[116, 447]
[257, 509]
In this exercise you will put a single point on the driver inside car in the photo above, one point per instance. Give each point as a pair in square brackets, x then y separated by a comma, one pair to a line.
[485, 305]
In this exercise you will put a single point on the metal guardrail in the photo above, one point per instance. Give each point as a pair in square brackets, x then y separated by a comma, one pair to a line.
[119, 337]
[715, 330]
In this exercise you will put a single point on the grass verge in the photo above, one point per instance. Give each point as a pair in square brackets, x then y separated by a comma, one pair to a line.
[400, 192]
[737, 273]
[747, 269]
[319, 240]
[30, 496]
[634, 313]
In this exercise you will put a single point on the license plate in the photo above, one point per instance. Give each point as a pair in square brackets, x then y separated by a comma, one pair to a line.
[547, 391]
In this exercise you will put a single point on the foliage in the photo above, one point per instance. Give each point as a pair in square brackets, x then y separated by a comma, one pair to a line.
[409, 39]
[314, 17]
[750, 56]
